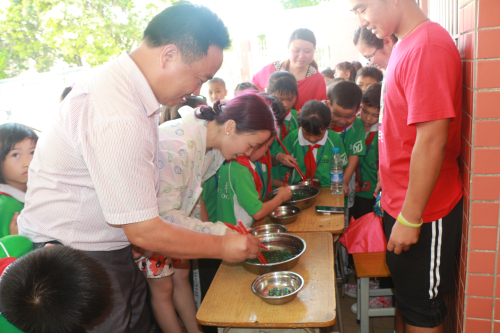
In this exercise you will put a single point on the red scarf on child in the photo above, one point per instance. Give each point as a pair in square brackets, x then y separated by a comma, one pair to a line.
[284, 129]
[369, 139]
[266, 160]
[243, 160]
[310, 162]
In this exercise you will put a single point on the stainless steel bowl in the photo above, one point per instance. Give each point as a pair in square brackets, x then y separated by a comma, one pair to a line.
[280, 241]
[315, 182]
[281, 280]
[268, 229]
[285, 214]
[311, 192]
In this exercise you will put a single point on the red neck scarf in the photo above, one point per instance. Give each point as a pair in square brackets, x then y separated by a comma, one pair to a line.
[266, 159]
[340, 129]
[2, 193]
[243, 160]
[284, 129]
[310, 162]
[369, 139]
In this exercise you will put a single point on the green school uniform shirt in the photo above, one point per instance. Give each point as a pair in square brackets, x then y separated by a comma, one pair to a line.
[8, 206]
[368, 166]
[263, 173]
[330, 140]
[237, 197]
[209, 196]
[291, 124]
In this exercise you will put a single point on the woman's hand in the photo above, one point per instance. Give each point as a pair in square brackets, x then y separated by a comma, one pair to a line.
[237, 248]
[286, 160]
[284, 193]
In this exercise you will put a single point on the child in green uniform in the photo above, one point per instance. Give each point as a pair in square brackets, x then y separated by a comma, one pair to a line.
[366, 176]
[208, 199]
[311, 146]
[17, 145]
[283, 85]
[344, 99]
[239, 196]
[368, 75]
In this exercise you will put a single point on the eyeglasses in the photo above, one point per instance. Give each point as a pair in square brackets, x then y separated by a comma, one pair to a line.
[371, 57]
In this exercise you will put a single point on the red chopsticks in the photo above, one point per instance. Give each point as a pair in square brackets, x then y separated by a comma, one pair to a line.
[296, 165]
[243, 231]
[285, 183]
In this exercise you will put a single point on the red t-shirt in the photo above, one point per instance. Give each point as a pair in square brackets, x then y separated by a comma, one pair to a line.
[423, 82]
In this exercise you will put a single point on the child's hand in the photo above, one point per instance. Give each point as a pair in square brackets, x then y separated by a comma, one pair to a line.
[13, 229]
[286, 160]
[284, 193]
[346, 189]
[237, 248]
[378, 188]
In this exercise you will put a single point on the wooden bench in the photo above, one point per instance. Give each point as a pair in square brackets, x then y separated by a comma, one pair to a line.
[370, 265]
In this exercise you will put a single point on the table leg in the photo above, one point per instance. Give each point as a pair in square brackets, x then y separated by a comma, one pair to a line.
[365, 304]
[358, 301]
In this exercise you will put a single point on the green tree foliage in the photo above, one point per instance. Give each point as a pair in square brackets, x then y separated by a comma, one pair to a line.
[40, 33]
[290, 4]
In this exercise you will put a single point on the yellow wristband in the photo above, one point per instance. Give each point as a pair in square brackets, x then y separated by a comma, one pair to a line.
[403, 221]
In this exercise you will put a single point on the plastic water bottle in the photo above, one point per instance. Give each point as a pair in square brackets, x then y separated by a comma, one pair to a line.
[336, 173]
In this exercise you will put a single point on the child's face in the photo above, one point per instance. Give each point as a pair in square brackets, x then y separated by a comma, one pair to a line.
[369, 115]
[216, 91]
[261, 151]
[364, 81]
[340, 116]
[342, 74]
[314, 138]
[17, 161]
[288, 100]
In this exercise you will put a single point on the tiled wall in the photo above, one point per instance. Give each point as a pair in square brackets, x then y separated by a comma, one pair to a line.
[477, 306]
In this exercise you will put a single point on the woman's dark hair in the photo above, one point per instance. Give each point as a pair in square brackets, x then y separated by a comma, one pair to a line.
[328, 73]
[193, 29]
[250, 112]
[315, 117]
[304, 34]
[283, 83]
[10, 135]
[347, 67]
[245, 86]
[371, 71]
[277, 107]
[65, 93]
[370, 39]
[346, 94]
[371, 97]
[54, 289]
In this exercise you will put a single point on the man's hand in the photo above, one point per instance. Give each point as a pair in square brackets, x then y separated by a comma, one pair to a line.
[402, 237]
[13, 229]
[237, 248]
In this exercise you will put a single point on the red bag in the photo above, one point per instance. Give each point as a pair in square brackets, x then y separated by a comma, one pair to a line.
[365, 234]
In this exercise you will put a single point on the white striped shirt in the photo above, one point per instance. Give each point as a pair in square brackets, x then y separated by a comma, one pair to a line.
[95, 168]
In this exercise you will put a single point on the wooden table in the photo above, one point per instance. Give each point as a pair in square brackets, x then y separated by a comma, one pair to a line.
[310, 221]
[230, 301]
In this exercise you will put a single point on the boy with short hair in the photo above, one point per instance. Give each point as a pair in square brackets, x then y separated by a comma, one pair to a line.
[54, 289]
[419, 143]
[216, 89]
[367, 76]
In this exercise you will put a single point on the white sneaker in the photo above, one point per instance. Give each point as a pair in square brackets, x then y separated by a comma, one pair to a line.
[376, 302]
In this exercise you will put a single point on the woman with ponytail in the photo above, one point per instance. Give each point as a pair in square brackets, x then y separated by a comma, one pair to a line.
[190, 150]
[300, 62]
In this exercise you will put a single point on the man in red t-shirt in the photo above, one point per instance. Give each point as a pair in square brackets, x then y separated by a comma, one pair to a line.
[419, 142]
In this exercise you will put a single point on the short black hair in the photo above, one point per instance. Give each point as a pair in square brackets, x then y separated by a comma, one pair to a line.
[277, 107]
[10, 135]
[357, 65]
[371, 71]
[328, 72]
[54, 289]
[315, 117]
[192, 28]
[283, 83]
[346, 94]
[371, 97]
[246, 86]
[65, 93]
[217, 80]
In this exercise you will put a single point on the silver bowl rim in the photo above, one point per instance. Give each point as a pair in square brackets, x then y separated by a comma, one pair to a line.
[280, 234]
[263, 226]
[288, 216]
[292, 202]
[282, 296]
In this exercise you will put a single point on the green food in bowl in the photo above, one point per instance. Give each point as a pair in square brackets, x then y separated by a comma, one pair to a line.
[273, 256]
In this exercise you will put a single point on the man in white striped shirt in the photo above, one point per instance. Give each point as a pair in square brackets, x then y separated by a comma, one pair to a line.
[94, 177]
